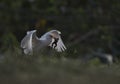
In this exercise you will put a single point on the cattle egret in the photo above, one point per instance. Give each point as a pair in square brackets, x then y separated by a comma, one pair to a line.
[31, 43]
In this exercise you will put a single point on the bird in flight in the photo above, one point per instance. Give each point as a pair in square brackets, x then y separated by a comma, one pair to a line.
[31, 43]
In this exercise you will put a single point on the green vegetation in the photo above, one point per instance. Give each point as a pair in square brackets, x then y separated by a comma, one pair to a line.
[20, 69]
[86, 26]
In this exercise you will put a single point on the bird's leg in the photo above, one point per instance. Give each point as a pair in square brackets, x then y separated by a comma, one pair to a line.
[55, 42]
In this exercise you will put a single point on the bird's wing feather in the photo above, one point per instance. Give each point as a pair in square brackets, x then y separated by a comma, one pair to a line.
[60, 45]
[26, 42]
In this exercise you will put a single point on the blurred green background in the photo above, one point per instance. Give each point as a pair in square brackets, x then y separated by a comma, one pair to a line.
[86, 26]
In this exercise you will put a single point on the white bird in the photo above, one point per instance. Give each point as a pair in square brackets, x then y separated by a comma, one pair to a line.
[31, 43]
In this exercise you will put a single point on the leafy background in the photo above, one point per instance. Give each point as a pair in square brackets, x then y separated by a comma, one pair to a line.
[86, 26]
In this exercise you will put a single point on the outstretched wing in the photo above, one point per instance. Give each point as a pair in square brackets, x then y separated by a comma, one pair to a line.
[26, 42]
[60, 45]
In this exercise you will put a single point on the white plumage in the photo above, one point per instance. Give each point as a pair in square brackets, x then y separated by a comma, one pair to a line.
[31, 43]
